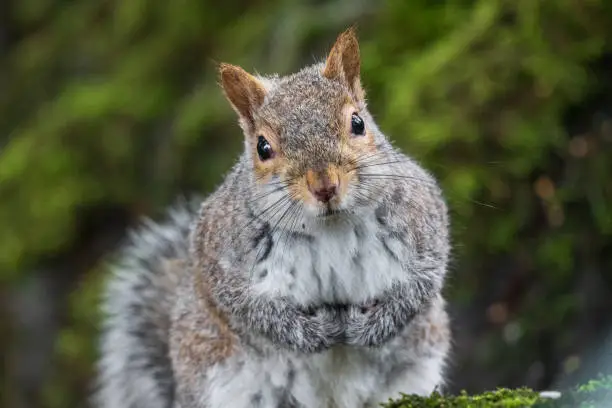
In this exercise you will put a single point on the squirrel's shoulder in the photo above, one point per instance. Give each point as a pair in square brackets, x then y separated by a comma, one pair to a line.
[224, 214]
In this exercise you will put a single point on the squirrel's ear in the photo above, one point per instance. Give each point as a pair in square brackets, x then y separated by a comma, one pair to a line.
[243, 90]
[343, 62]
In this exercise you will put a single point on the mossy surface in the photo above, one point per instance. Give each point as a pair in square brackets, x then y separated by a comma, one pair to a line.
[594, 394]
[499, 398]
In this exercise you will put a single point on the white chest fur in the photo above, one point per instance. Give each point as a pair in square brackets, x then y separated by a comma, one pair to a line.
[348, 261]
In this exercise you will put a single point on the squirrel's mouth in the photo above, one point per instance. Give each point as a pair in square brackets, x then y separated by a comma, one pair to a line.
[330, 212]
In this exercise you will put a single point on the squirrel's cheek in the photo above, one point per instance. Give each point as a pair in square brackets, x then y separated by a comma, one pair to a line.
[348, 177]
[364, 144]
[299, 190]
[265, 170]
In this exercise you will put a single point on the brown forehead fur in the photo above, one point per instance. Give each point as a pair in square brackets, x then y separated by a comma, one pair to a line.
[302, 103]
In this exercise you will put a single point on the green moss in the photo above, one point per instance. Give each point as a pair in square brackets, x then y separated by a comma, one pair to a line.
[500, 398]
[594, 394]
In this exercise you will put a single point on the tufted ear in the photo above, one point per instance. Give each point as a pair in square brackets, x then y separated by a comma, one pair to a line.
[245, 92]
[343, 63]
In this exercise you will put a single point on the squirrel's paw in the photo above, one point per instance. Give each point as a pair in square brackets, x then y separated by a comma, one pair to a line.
[367, 325]
[332, 323]
[314, 330]
[321, 327]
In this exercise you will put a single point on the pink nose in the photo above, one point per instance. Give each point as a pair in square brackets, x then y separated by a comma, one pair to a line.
[325, 192]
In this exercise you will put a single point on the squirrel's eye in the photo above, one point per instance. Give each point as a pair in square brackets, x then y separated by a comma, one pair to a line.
[264, 149]
[357, 125]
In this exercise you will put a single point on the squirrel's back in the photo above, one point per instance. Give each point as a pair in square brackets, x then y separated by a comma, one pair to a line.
[135, 369]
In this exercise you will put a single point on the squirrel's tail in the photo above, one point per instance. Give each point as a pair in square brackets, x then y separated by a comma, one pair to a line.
[134, 370]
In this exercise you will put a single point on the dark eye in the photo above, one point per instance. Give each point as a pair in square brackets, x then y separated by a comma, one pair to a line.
[357, 125]
[264, 149]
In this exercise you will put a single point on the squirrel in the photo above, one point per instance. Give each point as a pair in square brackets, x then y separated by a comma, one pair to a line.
[312, 277]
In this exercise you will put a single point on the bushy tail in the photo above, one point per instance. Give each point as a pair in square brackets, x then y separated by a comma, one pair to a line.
[134, 366]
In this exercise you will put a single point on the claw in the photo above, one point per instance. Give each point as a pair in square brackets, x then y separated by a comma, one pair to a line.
[369, 305]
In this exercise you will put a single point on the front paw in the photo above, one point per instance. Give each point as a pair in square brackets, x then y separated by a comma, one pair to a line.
[332, 324]
[311, 330]
[357, 322]
[367, 325]
[369, 307]
[326, 326]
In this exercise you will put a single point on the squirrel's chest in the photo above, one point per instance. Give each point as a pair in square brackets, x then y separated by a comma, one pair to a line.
[349, 264]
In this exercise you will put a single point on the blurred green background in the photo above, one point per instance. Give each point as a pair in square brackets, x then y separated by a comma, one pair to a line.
[110, 109]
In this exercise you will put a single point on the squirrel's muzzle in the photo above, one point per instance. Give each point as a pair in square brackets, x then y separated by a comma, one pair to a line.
[323, 185]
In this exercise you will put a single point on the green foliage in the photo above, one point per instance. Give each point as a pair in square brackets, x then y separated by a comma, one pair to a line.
[74, 348]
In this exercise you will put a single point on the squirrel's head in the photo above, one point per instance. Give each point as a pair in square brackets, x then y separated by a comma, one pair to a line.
[309, 137]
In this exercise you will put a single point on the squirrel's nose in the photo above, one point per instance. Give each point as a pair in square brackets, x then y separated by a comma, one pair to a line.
[323, 184]
[325, 193]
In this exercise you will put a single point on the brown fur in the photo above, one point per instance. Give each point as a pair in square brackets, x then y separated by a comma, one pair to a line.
[343, 63]
[214, 341]
[243, 90]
